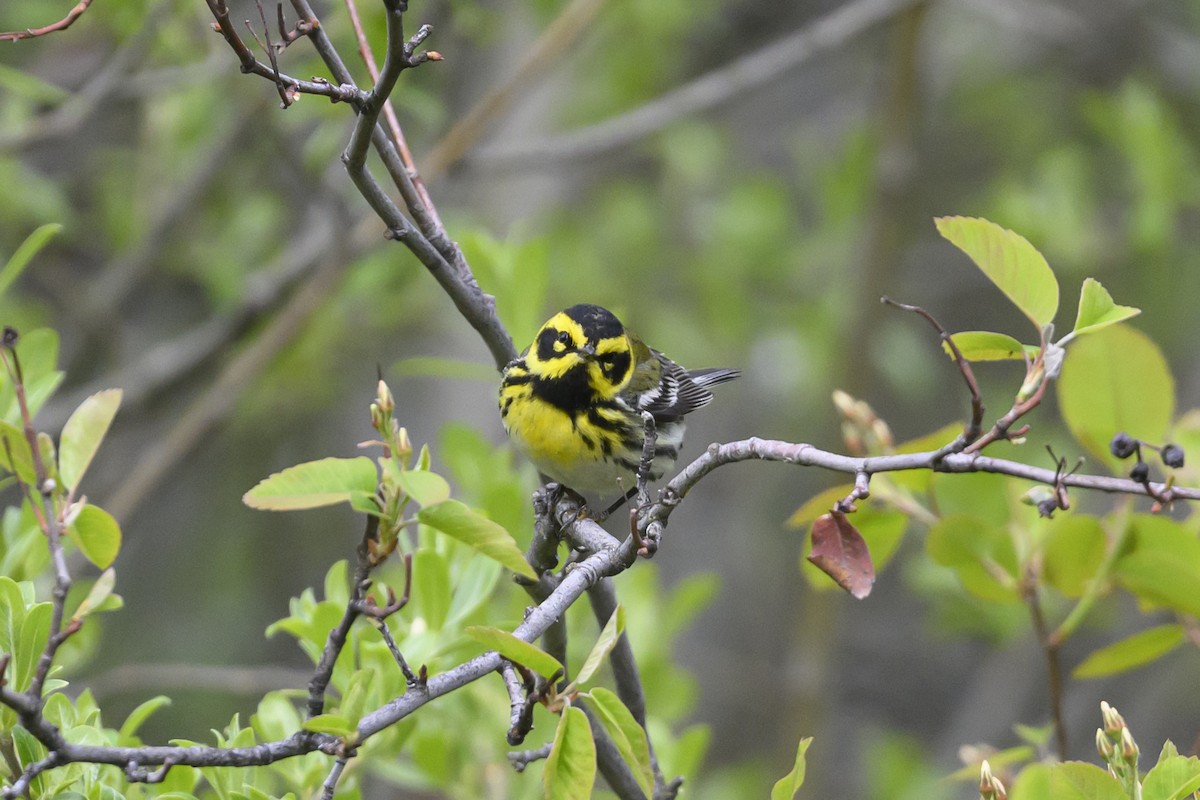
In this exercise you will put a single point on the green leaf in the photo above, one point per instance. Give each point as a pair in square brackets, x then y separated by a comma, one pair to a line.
[473, 588]
[1116, 380]
[989, 346]
[1009, 261]
[139, 715]
[12, 440]
[333, 724]
[980, 553]
[1097, 309]
[1075, 780]
[1032, 784]
[1073, 551]
[1137, 650]
[25, 253]
[787, 786]
[29, 750]
[97, 535]
[475, 530]
[100, 591]
[365, 503]
[427, 488]
[35, 632]
[1161, 579]
[82, 434]
[431, 587]
[571, 767]
[627, 735]
[313, 484]
[604, 645]
[1172, 778]
[516, 650]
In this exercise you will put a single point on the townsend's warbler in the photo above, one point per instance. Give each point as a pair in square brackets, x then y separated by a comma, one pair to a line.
[573, 401]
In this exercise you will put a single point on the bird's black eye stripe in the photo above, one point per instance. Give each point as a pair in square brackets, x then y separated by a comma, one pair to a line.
[615, 365]
[553, 343]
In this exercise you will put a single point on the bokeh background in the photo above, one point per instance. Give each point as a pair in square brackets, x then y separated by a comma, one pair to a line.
[740, 181]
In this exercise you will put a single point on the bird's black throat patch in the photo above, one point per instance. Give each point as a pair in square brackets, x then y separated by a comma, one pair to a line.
[570, 392]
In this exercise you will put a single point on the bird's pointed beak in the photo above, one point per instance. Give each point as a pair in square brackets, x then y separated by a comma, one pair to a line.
[588, 351]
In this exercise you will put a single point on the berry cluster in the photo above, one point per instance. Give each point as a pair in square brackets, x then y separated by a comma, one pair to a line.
[1123, 446]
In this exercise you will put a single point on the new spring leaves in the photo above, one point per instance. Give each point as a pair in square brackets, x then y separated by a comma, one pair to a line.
[387, 488]
[1021, 272]
[46, 471]
[1093, 412]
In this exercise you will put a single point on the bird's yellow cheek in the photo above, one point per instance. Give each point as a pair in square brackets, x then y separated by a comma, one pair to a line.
[602, 383]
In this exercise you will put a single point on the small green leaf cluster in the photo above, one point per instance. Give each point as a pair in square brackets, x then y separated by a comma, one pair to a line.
[1172, 777]
[1022, 274]
[993, 546]
[455, 612]
[571, 766]
[22, 394]
[387, 490]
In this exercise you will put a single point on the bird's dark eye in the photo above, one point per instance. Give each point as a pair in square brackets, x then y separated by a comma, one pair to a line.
[564, 337]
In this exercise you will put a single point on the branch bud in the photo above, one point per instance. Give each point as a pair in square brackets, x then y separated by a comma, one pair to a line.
[1129, 748]
[1113, 721]
[383, 396]
[1033, 382]
[1103, 746]
[990, 787]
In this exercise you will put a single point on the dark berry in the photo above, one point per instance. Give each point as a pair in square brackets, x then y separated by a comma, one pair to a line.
[9, 337]
[1140, 472]
[1172, 456]
[1122, 445]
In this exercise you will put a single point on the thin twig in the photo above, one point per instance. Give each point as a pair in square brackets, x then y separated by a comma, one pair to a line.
[652, 520]
[52, 524]
[523, 758]
[861, 491]
[438, 254]
[345, 92]
[521, 701]
[975, 427]
[111, 79]
[61, 25]
[398, 162]
[1054, 673]
[410, 679]
[286, 98]
[329, 787]
[139, 774]
[337, 635]
[393, 123]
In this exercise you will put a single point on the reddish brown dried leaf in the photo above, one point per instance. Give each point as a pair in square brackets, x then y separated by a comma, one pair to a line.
[839, 550]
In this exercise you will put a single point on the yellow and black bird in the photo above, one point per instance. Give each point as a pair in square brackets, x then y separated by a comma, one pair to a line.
[573, 401]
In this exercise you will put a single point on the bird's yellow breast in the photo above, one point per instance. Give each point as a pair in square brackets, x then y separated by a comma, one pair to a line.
[571, 449]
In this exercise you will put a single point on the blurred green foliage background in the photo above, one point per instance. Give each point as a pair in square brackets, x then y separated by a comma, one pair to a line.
[217, 265]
